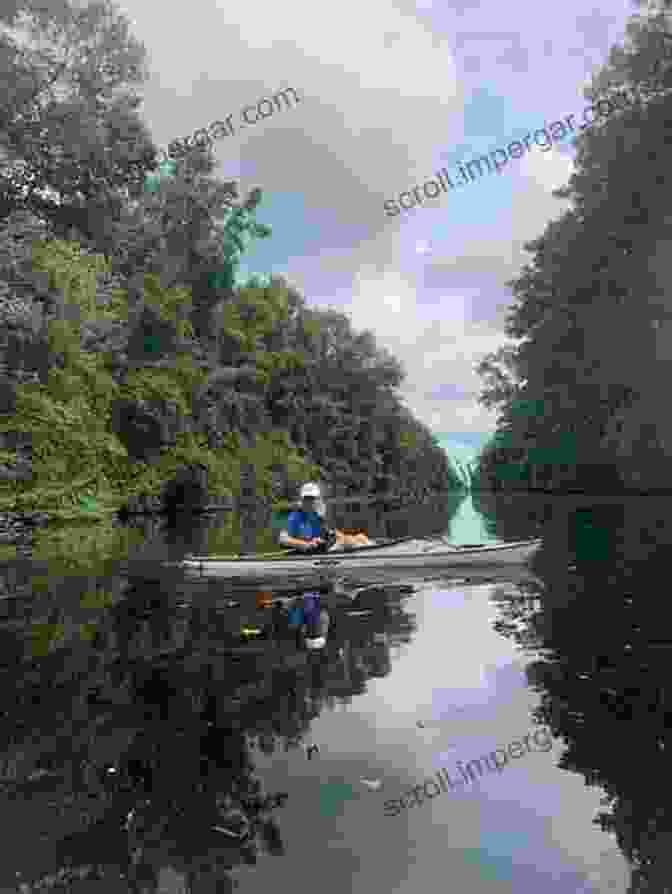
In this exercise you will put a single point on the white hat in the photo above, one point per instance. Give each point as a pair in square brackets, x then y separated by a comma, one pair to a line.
[310, 490]
[316, 642]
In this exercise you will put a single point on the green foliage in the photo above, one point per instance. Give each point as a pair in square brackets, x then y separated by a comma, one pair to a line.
[566, 394]
[43, 637]
[408, 441]
[72, 272]
[291, 386]
[76, 551]
[75, 453]
[72, 448]
[7, 552]
[173, 304]
[174, 383]
[88, 631]
[307, 394]
[253, 314]
[47, 637]
[86, 146]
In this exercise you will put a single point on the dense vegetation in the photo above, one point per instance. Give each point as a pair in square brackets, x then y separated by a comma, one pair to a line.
[579, 397]
[130, 345]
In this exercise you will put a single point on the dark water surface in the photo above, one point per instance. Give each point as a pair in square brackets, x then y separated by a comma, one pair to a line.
[155, 727]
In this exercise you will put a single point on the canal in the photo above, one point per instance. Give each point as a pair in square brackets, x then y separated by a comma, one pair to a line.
[165, 732]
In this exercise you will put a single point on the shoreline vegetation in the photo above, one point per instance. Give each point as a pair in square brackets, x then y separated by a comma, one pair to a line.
[135, 364]
[573, 417]
[100, 433]
[132, 359]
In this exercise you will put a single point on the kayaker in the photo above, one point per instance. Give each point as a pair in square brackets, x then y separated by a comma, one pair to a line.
[306, 529]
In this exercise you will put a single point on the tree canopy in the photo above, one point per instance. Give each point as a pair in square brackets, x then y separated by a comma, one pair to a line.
[595, 419]
[133, 345]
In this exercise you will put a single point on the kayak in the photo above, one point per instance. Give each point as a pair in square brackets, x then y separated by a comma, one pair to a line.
[405, 553]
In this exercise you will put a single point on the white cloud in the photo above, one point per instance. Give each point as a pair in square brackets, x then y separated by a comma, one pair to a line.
[369, 121]
[435, 347]
[549, 170]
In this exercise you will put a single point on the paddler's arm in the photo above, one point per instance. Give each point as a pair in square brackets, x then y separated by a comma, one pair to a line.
[295, 542]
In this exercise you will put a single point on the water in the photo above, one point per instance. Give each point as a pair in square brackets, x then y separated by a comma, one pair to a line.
[135, 697]
[463, 450]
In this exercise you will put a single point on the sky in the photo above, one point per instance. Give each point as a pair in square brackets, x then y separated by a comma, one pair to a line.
[389, 94]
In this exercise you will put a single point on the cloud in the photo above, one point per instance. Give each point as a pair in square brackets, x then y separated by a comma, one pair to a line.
[431, 283]
[437, 347]
[548, 170]
[346, 145]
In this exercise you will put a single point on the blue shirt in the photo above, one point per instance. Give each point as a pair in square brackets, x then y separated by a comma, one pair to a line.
[304, 524]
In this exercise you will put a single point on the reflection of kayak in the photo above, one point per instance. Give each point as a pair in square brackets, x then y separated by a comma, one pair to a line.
[406, 553]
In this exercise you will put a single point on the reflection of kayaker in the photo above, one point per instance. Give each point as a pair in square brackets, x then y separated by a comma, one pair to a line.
[309, 620]
[307, 531]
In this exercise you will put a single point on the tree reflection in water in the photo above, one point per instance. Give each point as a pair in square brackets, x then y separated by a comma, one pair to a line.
[157, 770]
[600, 621]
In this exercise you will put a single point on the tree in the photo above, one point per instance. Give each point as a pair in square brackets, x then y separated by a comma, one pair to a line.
[70, 159]
[602, 262]
[498, 369]
[132, 283]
